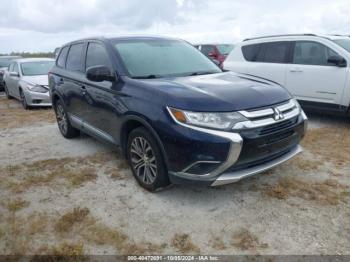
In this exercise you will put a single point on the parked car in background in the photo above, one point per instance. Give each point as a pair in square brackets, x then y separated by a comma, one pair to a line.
[4, 63]
[216, 52]
[315, 69]
[56, 52]
[27, 81]
[176, 116]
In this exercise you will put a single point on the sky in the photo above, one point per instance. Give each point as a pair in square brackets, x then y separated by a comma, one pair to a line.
[43, 25]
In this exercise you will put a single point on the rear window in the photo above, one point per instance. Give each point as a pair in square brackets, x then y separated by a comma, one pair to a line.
[74, 61]
[62, 57]
[274, 52]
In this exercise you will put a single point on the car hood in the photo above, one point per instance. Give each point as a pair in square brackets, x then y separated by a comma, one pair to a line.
[219, 92]
[38, 80]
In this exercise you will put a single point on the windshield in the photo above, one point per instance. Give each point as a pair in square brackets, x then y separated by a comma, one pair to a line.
[160, 58]
[344, 43]
[5, 62]
[36, 68]
[225, 49]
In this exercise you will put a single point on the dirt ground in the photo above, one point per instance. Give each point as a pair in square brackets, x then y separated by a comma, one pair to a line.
[60, 196]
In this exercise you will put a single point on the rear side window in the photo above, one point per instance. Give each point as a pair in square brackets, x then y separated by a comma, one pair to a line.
[96, 55]
[250, 52]
[74, 57]
[311, 53]
[273, 52]
[61, 60]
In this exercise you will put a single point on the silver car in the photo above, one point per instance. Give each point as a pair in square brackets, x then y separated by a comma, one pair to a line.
[27, 81]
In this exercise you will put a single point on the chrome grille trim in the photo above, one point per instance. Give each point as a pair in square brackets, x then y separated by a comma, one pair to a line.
[265, 117]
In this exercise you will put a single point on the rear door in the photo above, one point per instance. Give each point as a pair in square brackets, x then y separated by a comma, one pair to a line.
[268, 60]
[310, 77]
[71, 83]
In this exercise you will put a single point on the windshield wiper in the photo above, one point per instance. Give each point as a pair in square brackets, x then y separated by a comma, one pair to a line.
[146, 77]
[202, 73]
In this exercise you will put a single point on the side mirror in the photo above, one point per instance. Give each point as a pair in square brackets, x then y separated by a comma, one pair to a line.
[99, 74]
[14, 74]
[337, 60]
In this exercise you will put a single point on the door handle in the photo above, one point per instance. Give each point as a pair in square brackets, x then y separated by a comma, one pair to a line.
[295, 70]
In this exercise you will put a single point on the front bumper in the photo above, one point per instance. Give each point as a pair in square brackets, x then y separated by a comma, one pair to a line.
[37, 99]
[231, 177]
[248, 153]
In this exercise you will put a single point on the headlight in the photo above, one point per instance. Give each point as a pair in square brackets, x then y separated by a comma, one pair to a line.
[296, 103]
[37, 88]
[207, 119]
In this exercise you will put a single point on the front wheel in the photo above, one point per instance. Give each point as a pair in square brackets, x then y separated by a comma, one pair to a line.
[23, 100]
[65, 127]
[146, 160]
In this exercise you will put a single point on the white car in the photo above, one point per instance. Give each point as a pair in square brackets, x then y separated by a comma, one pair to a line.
[315, 69]
[27, 81]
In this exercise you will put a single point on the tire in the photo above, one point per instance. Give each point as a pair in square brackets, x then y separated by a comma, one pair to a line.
[146, 160]
[7, 92]
[23, 100]
[65, 127]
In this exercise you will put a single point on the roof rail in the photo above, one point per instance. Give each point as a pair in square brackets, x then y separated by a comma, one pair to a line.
[340, 35]
[268, 36]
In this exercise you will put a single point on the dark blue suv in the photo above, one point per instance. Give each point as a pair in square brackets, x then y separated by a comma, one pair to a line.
[176, 115]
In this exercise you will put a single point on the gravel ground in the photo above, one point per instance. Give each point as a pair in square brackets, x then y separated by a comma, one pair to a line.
[79, 197]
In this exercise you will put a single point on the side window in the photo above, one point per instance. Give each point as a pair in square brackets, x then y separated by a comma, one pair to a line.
[96, 55]
[15, 68]
[311, 53]
[61, 60]
[273, 52]
[74, 61]
[206, 49]
[250, 52]
[11, 67]
[276, 52]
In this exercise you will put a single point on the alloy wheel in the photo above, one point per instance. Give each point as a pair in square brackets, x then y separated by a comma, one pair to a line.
[143, 160]
[23, 100]
[61, 118]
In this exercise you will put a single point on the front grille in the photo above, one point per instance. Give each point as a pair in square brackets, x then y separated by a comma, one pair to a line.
[278, 126]
[270, 119]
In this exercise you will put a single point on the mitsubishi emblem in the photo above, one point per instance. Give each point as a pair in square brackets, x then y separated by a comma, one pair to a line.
[278, 115]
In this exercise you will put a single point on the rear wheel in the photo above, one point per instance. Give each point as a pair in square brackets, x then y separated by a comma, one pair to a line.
[7, 92]
[146, 160]
[23, 100]
[66, 129]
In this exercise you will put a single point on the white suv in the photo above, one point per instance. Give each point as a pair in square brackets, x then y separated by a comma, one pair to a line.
[315, 69]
